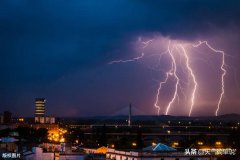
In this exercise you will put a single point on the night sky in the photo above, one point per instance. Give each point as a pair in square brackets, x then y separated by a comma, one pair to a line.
[60, 50]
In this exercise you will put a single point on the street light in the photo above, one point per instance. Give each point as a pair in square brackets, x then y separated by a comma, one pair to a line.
[134, 144]
[175, 144]
[77, 141]
[154, 144]
[200, 143]
[218, 143]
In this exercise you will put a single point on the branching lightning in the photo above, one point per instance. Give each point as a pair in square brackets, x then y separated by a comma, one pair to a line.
[187, 70]
[193, 79]
[146, 43]
[128, 60]
[168, 74]
[135, 58]
[224, 72]
[174, 73]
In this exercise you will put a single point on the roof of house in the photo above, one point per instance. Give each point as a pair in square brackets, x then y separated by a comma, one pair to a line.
[159, 147]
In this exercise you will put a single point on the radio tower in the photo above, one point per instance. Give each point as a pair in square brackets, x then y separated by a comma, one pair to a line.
[129, 115]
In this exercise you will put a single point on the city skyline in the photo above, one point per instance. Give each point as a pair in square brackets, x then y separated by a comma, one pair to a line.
[61, 51]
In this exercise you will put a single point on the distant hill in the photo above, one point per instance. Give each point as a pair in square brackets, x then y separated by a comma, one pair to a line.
[161, 118]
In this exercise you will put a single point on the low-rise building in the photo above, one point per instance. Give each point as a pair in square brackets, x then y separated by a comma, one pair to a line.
[155, 152]
[37, 153]
[143, 155]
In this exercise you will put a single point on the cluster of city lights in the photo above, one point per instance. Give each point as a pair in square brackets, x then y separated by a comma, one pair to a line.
[57, 135]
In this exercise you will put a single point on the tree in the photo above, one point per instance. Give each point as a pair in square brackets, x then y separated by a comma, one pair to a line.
[41, 134]
[140, 144]
[103, 137]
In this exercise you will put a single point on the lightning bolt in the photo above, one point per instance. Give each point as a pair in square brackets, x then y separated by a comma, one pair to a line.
[169, 73]
[128, 60]
[147, 43]
[224, 71]
[173, 72]
[193, 79]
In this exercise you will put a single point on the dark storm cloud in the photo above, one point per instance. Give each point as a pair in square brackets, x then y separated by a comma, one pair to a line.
[41, 41]
[58, 36]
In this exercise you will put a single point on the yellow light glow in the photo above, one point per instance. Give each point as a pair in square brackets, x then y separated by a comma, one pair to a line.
[175, 143]
[200, 143]
[21, 119]
[56, 135]
[218, 143]
[134, 144]
[154, 144]
[62, 140]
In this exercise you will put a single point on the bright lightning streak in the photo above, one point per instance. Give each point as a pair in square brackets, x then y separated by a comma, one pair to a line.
[173, 71]
[159, 88]
[224, 71]
[193, 78]
[129, 60]
[146, 43]
[133, 59]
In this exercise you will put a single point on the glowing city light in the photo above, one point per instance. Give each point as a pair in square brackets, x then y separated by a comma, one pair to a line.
[218, 143]
[200, 143]
[134, 144]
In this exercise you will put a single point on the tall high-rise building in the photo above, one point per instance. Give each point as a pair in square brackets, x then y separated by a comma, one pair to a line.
[40, 112]
[40, 109]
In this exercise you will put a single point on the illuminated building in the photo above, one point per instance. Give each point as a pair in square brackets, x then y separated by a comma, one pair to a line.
[50, 120]
[40, 107]
[40, 112]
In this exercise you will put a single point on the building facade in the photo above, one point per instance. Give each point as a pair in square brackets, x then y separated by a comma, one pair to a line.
[40, 107]
[40, 110]
[37, 153]
[113, 154]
